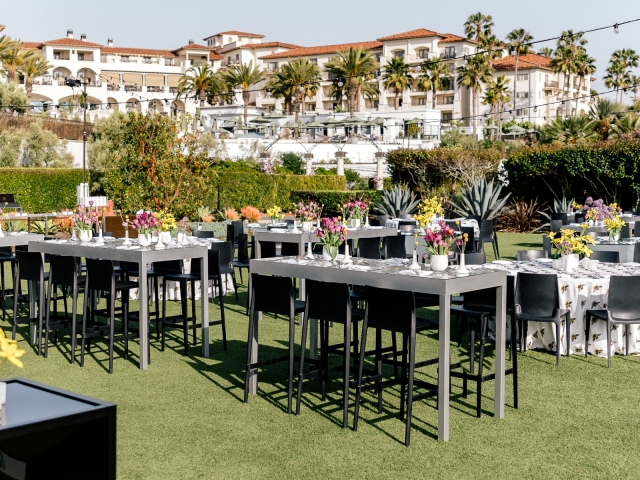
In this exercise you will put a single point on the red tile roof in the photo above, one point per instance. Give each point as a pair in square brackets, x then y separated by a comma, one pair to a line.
[450, 38]
[193, 46]
[72, 42]
[322, 50]
[215, 56]
[32, 45]
[138, 51]
[531, 60]
[257, 46]
[417, 33]
[239, 34]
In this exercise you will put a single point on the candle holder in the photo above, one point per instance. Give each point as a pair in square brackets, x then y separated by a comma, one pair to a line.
[415, 265]
[309, 254]
[347, 258]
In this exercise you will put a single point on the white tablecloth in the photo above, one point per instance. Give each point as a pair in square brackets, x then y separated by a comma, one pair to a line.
[579, 292]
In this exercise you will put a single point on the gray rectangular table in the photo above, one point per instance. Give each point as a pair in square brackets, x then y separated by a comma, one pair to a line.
[142, 257]
[625, 250]
[444, 287]
[18, 240]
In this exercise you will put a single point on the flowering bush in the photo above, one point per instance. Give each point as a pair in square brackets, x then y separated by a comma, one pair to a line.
[84, 218]
[440, 241]
[275, 213]
[354, 210]
[602, 211]
[331, 233]
[145, 222]
[568, 242]
[427, 209]
[231, 214]
[252, 214]
[166, 220]
[308, 212]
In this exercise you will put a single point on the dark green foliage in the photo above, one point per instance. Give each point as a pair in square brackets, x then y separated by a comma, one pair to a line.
[330, 199]
[293, 163]
[41, 190]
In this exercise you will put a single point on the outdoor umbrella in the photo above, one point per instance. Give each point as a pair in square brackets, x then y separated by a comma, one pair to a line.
[376, 121]
[516, 130]
[260, 120]
[415, 121]
[313, 125]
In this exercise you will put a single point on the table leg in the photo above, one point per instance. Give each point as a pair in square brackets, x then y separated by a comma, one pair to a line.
[33, 313]
[143, 297]
[204, 304]
[256, 245]
[444, 335]
[501, 322]
[253, 355]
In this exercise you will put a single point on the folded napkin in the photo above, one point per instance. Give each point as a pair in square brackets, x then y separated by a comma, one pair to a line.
[543, 260]
[502, 262]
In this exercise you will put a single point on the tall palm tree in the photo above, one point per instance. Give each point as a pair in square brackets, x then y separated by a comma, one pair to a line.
[243, 76]
[279, 87]
[615, 78]
[472, 75]
[32, 67]
[496, 96]
[477, 25]
[518, 43]
[304, 77]
[635, 85]
[492, 45]
[624, 60]
[546, 51]
[585, 67]
[12, 59]
[570, 47]
[370, 91]
[352, 66]
[196, 82]
[435, 75]
[219, 91]
[397, 75]
[568, 131]
[604, 113]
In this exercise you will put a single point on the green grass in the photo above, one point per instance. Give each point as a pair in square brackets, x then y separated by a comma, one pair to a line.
[184, 417]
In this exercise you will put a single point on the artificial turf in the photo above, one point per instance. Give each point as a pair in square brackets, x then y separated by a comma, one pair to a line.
[184, 416]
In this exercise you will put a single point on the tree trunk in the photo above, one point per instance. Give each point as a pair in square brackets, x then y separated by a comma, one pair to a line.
[352, 92]
[245, 100]
[203, 97]
[433, 95]
[28, 87]
[515, 87]
[395, 102]
[579, 90]
[474, 95]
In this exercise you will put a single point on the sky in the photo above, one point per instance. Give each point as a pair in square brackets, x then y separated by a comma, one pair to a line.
[168, 24]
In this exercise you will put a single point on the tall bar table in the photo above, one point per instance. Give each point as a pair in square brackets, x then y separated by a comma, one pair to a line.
[142, 256]
[381, 276]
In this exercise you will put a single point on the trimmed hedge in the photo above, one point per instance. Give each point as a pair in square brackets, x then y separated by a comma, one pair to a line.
[239, 189]
[41, 190]
[330, 199]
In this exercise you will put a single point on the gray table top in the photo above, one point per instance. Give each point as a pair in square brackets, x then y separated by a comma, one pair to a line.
[381, 273]
[10, 240]
[288, 237]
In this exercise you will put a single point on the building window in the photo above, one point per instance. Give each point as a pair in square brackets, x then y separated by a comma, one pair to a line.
[313, 60]
[237, 57]
[103, 58]
[523, 77]
[124, 58]
[378, 56]
[424, 53]
[273, 66]
[452, 68]
[447, 116]
[422, 101]
[522, 94]
[168, 62]
[146, 59]
[522, 112]
[376, 103]
[398, 53]
[449, 52]
[448, 100]
[229, 40]
[311, 107]
[447, 84]
[81, 57]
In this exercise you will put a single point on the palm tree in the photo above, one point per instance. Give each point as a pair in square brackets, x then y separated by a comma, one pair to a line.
[492, 46]
[370, 91]
[196, 82]
[496, 96]
[570, 47]
[568, 131]
[585, 66]
[546, 52]
[32, 67]
[219, 91]
[615, 78]
[472, 75]
[12, 59]
[397, 75]
[604, 113]
[435, 76]
[352, 66]
[303, 76]
[478, 25]
[518, 43]
[243, 76]
[279, 87]
[621, 63]
[626, 124]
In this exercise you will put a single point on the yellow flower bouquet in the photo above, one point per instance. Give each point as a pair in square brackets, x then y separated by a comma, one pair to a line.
[427, 209]
[571, 243]
[614, 226]
[167, 221]
[275, 213]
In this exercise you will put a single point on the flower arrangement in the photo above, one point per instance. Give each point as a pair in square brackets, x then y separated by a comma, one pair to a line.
[166, 220]
[331, 235]
[439, 241]
[354, 210]
[568, 242]
[9, 351]
[84, 218]
[251, 214]
[603, 211]
[184, 225]
[591, 214]
[614, 225]
[576, 206]
[275, 213]
[145, 223]
[308, 212]
[427, 209]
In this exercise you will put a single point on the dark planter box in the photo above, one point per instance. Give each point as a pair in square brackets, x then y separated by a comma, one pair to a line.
[51, 433]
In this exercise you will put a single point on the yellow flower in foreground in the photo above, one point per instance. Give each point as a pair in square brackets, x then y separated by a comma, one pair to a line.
[9, 351]
[4, 337]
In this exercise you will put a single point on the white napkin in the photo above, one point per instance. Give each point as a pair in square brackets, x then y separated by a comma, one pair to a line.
[502, 262]
[543, 260]
[631, 264]
[349, 266]
[279, 230]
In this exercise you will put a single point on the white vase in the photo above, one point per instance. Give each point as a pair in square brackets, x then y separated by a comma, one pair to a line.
[307, 226]
[590, 223]
[355, 222]
[462, 268]
[329, 254]
[86, 236]
[165, 236]
[439, 263]
[144, 239]
[571, 262]
[615, 237]
[556, 263]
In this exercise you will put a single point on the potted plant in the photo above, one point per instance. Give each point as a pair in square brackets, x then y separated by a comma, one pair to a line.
[570, 246]
[145, 223]
[251, 214]
[613, 226]
[83, 221]
[330, 235]
[439, 242]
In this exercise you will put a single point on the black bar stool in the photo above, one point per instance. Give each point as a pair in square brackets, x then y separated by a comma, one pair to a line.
[30, 267]
[6, 255]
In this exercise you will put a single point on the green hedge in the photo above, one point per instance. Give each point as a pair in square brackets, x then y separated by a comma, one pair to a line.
[239, 189]
[330, 199]
[41, 190]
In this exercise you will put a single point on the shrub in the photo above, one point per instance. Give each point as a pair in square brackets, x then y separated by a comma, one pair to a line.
[520, 216]
[252, 214]
[330, 199]
[219, 229]
[41, 190]
[293, 163]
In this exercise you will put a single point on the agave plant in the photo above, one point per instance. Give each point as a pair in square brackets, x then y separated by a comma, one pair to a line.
[40, 228]
[397, 201]
[15, 226]
[562, 206]
[481, 198]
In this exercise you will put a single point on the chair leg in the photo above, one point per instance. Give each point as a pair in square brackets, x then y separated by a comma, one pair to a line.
[74, 323]
[379, 366]
[85, 316]
[403, 376]
[412, 364]
[156, 291]
[608, 344]
[626, 339]
[483, 335]
[567, 323]
[292, 326]
[303, 348]
[40, 310]
[345, 378]
[235, 285]
[125, 322]
[249, 337]
[363, 345]
[395, 354]
[193, 309]
[15, 304]
[514, 362]
[558, 344]
[112, 327]
[47, 317]
[224, 323]
[164, 313]
[586, 335]
[184, 298]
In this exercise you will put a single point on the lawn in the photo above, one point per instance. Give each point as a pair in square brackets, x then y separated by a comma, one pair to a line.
[184, 417]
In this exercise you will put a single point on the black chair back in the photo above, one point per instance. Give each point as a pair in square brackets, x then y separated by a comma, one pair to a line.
[537, 294]
[290, 249]
[272, 294]
[267, 249]
[395, 247]
[560, 216]
[622, 305]
[100, 275]
[556, 225]
[168, 267]
[528, 255]
[226, 256]
[5, 251]
[213, 263]
[203, 233]
[476, 258]
[579, 217]
[546, 245]
[392, 310]
[318, 306]
[369, 248]
[486, 232]
[470, 246]
[238, 229]
[63, 270]
[607, 257]
[625, 231]
[243, 248]
[636, 253]
[477, 218]
[30, 266]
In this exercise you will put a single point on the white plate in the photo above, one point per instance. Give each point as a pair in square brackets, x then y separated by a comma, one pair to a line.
[502, 262]
[543, 260]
